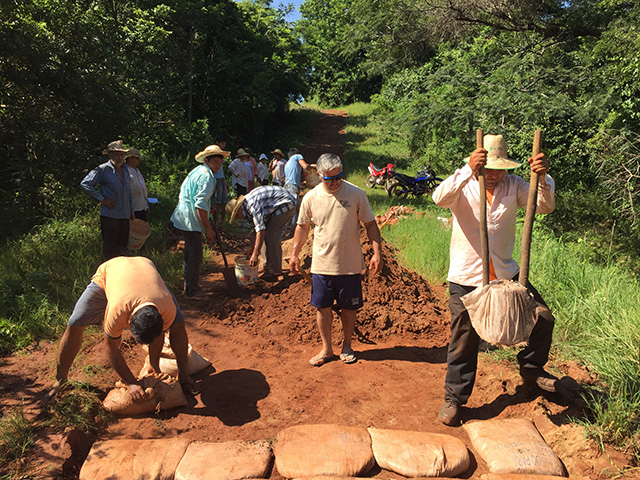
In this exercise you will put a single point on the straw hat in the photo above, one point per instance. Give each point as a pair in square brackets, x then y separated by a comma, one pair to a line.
[234, 205]
[211, 150]
[497, 158]
[133, 152]
[279, 152]
[242, 153]
[115, 146]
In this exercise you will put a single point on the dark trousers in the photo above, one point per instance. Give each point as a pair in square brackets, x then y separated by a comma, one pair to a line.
[192, 261]
[462, 356]
[115, 236]
[142, 215]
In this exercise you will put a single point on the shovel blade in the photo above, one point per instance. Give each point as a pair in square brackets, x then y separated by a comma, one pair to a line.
[230, 281]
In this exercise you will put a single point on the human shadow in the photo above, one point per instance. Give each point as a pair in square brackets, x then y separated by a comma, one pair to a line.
[232, 396]
[405, 354]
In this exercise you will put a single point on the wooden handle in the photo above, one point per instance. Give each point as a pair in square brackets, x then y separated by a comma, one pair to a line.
[532, 204]
[306, 276]
[484, 233]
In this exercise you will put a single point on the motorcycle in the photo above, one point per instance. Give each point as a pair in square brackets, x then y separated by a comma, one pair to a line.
[379, 176]
[401, 185]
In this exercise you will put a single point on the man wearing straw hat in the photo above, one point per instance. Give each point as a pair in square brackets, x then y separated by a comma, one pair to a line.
[108, 184]
[277, 167]
[505, 193]
[191, 215]
[269, 210]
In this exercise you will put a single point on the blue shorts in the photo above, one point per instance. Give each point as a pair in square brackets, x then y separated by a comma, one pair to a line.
[345, 290]
[92, 304]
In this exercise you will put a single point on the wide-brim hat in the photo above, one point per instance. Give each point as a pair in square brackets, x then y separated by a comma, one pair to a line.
[242, 153]
[278, 151]
[234, 205]
[263, 157]
[211, 150]
[497, 157]
[115, 146]
[133, 152]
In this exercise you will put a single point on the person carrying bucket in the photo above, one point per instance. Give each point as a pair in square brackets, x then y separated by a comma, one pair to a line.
[269, 210]
[505, 193]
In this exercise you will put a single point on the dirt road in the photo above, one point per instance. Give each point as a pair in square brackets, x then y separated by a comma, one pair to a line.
[260, 344]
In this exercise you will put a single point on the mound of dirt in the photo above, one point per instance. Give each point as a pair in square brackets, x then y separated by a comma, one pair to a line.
[398, 302]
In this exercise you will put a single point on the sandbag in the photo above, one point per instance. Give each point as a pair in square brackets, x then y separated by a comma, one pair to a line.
[134, 459]
[225, 461]
[513, 445]
[523, 476]
[164, 393]
[419, 454]
[309, 450]
[168, 363]
[502, 312]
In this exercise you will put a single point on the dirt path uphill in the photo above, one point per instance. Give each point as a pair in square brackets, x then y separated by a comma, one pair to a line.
[260, 343]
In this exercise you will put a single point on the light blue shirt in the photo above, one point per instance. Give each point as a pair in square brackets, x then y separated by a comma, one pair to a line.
[292, 171]
[196, 192]
[106, 177]
[220, 173]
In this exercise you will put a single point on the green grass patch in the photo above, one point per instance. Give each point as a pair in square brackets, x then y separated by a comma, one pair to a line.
[16, 435]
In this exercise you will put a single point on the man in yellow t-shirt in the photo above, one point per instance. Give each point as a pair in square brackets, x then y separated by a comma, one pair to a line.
[127, 293]
[336, 208]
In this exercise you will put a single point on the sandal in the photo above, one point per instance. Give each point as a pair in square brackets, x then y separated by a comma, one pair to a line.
[320, 360]
[190, 389]
[348, 357]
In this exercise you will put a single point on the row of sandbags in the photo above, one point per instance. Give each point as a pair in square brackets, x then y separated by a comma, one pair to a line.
[511, 446]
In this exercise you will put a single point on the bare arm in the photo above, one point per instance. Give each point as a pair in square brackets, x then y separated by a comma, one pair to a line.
[253, 261]
[155, 348]
[119, 364]
[203, 215]
[180, 346]
[299, 239]
[373, 232]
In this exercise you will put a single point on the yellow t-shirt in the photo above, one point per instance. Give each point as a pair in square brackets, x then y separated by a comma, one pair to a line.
[130, 283]
[336, 216]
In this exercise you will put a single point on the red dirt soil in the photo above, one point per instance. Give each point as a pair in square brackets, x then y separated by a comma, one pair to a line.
[260, 344]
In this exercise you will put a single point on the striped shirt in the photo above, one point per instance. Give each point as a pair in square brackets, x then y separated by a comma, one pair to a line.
[262, 203]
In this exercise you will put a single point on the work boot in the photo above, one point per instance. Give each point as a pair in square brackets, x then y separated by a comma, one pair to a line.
[449, 414]
[540, 377]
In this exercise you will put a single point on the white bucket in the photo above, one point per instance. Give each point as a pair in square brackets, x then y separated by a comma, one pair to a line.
[139, 231]
[245, 273]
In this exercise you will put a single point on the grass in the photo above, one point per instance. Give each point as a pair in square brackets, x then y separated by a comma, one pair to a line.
[16, 436]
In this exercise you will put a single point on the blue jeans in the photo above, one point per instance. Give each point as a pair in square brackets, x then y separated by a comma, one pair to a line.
[294, 219]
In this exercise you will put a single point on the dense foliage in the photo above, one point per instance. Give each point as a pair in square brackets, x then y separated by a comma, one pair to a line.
[165, 76]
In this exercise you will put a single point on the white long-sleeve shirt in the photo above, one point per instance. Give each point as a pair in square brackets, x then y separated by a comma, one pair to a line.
[239, 173]
[461, 194]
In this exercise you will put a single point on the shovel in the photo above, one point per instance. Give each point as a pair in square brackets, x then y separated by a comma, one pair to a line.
[228, 272]
[503, 312]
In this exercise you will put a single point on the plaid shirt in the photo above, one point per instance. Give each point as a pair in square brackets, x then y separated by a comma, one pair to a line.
[261, 203]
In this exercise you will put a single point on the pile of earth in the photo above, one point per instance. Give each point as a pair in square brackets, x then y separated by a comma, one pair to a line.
[398, 302]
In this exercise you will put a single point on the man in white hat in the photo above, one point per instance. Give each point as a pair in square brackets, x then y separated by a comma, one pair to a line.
[505, 193]
[138, 187]
[263, 170]
[191, 215]
[240, 168]
[108, 184]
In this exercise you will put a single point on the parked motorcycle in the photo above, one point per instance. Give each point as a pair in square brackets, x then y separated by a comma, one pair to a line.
[401, 185]
[379, 176]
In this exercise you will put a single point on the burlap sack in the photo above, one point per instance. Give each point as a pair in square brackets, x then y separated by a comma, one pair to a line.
[524, 476]
[419, 454]
[134, 459]
[309, 450]
[165, 393]
[168, 364]
[225, 461]
[513, 445]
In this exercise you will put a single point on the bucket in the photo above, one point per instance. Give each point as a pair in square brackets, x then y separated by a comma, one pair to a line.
[245, 273]
[139, 231]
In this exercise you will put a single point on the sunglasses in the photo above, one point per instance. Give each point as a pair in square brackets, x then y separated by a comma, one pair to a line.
[335, 177]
